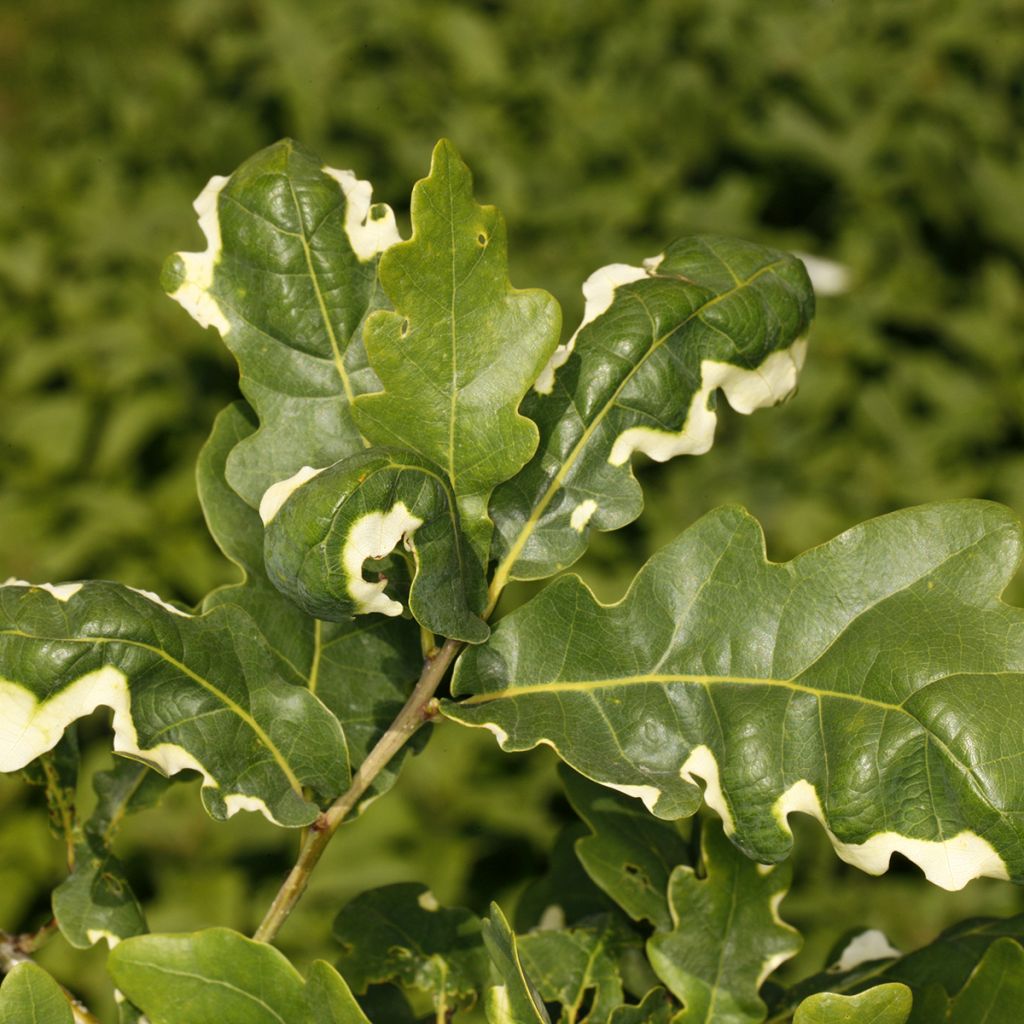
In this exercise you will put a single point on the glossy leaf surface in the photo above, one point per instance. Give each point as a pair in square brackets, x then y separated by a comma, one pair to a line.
[726, 935]
[640, 374]
[874, 682]
[461, 348]
[399, 933]
[884, 1004]
[630, 854]
[289, 273]
[29, 995]
[361, 670]
[199, 692]
[365, 507]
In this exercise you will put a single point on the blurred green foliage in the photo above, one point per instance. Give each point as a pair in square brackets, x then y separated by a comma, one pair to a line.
[881, 133]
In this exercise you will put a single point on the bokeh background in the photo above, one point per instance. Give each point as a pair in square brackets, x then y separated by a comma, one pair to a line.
[884, 134]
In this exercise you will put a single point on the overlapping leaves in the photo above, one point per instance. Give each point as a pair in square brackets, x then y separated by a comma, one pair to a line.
[874, 681]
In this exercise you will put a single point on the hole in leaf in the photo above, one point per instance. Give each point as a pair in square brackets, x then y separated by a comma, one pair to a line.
[631, 869]
[378, 211]
[481, 239]
[404, 330]
[586, 1003]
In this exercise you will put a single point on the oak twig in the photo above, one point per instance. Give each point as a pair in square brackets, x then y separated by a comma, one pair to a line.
[418, 709]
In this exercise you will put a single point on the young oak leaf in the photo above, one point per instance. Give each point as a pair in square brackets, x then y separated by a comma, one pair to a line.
[461, 348]
[287, 277]
[641, 374]
[874, 682]
[726, 934]
[320, 533]
[188, 692]
[883, 1004]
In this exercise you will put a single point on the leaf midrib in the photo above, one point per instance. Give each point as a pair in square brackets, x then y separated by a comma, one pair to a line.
[508, 563]
[215, 691]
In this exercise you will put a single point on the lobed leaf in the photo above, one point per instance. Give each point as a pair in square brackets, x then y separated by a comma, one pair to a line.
[884, 1004]
[655, 1008]
[641, 374]
[726, 935]
[187, 692]
[29, 994]
[320, 532]
[629, 854]
[399, 933]
[288, 275]
[461, 348]
[363, 671]
[873, 682]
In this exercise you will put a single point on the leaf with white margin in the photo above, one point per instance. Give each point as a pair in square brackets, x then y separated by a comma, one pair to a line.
[362, 671]
[95, 902]
[726, 935]
[218, 976]
[330, 524]
[461, 348]
[513, 999]
[944, 964]
[187, 692]
[994, 993]
[629, 853]
[288, 275]
[29, 995]
[399, 933]
[640, 374]
[874, 682]
[884, 1004]
[577, 967]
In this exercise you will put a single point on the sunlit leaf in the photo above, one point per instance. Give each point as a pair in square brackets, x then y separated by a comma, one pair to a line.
[513, 998]
[188, 692]
[365, 507]
[289, 273]
[461, 348]
[641, 374]
[883, 1004]
[29, 995]
[726, 935]
[873, 682]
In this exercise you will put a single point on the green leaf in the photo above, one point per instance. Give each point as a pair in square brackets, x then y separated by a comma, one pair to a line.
[994, 993]
[884, 1004]
[461, 348]
[95, 902]
[287, 277]
[362, 671]
[873, 682]
[726, 936]
[57, 772]
[655, 1008]
[933, 973]
[215, 976]
[513, 999]
[320, 533]
[399, 933]
[629, 854]
[577, 968]
[29, 995]
[328, 998]
[641, 374]
[198, 692]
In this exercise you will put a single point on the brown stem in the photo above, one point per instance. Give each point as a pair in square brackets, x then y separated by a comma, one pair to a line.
[416, 711]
